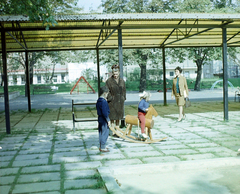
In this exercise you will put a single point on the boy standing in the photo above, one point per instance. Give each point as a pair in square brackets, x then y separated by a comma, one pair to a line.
[103, 119]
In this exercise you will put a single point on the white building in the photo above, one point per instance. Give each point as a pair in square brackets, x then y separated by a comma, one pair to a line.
[40, 76]
[189, 69]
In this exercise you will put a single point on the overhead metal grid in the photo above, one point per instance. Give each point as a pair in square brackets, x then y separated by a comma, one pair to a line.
[138, 31]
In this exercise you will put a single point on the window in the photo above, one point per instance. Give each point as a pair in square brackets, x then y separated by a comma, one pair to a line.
[186, 74]
[55, 78]
[171, 73]
[23, 79]
[39, 79]
[14, 79]
[63, 77]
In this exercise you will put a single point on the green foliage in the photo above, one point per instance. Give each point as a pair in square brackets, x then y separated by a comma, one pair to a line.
[39, 10]
[192, 6]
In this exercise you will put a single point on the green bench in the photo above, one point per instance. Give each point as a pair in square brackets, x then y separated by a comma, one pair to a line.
[75, 119]
[44, 89]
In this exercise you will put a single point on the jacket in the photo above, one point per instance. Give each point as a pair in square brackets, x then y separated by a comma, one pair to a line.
[103, 109]
[182, 86]
[116, 98]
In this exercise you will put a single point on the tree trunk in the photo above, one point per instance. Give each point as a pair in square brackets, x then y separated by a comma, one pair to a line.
[199, 74]
[143, 77]
[53, 71]
[32, 63]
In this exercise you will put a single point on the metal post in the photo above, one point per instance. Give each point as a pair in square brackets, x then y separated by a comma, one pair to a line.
[98, 71]
[5, 79]
[164, 77]
[225, 72]
[120, 61]
[120, 53]
[27, 81]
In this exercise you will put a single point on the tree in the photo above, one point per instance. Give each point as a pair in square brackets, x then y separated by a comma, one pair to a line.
[39, 10]
[201, 55]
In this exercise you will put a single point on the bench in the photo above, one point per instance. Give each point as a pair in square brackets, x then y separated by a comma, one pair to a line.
[237, 94]
[45, 88]
[81, 119]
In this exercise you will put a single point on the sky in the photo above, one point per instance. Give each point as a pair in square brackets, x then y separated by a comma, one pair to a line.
[88, 4]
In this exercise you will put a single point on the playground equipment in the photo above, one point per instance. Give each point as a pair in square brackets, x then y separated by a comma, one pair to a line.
[216, 82]
[237, 94]
[77, 85]
[133, 120]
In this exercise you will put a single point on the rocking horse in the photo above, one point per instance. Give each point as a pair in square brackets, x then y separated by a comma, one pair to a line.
[133, 120]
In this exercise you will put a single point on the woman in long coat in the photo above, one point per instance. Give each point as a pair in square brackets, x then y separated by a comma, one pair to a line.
[180, 91]
[116, 95]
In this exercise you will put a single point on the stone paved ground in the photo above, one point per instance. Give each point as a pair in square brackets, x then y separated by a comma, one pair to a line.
[44, 155]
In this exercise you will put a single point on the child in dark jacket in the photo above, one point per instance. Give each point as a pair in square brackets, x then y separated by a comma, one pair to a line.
[142, 110]
[103, 119]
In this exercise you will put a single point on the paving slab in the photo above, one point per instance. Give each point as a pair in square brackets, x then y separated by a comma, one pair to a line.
[5, 189]
[161, 159]
[39, 177]
[122, 162]
[70, 154]
[107, 156]
[8, 171]
[171, 147]
[35, 150]
[215, 150]
[179, 152]
[35, 162]
[31, 156]
[80, 183]
[83, 165]
[6, 180]
[203, 145]
[6, 158]
[37, 187]
[69, 159]
[38, 169]
[84, 191]
[7, 153]
[51, 192]
[4, 164]
[77, 174]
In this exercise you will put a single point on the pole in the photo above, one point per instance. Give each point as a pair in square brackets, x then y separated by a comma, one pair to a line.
[28, 81]
[5, 80]
[164, 77]
[225, 73]
[120, 61]
[98, 71]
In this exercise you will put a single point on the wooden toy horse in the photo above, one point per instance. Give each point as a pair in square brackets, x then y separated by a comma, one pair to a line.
[133, 120]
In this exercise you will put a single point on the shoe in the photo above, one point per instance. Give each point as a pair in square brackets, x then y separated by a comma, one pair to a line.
[184, 117]
[179, 120]
[144, 135]
[115, 135]
[104, 150]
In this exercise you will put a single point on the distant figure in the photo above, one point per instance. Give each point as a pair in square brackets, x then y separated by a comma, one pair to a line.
[103, 119]
[116, 96]
[180, 91]
[142, 110]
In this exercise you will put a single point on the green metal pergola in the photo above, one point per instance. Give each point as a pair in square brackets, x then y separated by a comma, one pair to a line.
[118, 31]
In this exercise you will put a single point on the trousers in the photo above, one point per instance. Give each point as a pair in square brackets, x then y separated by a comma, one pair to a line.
[103, 131]
[141, 117]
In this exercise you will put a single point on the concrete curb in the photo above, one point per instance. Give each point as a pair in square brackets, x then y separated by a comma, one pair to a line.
[109, 174]
[110, 182]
